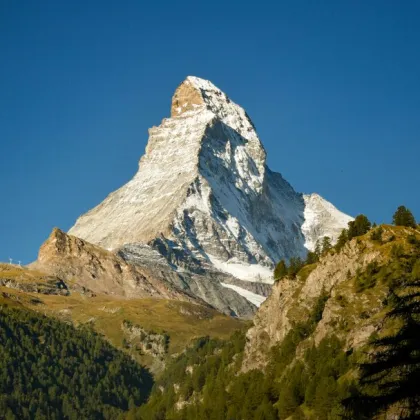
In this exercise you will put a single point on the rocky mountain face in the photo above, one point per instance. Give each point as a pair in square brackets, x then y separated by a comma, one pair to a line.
[83, 266]
[350, 313]
[205, 206]
[92, 270]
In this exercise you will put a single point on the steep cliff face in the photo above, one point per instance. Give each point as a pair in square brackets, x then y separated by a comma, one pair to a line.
[204, 192]
[350, 313]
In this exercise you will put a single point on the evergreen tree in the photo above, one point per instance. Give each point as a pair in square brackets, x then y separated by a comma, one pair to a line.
[311, 258]
[404, 217]
[294, 266]
[51, 370]
[391, 375]
[288, 402]
[265, 411]
[342, 239]
[359, 226]
[280, 271]
[376, 235]
[326, 244]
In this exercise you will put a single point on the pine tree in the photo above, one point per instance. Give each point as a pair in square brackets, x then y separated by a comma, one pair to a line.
[342, 239]
[359, 226]
[294, 266]
[391, 375]
[265, 411]
[280, 270]
[376, 234]
[288, 402]
[326, 244]
[311, 258]
[404, 217]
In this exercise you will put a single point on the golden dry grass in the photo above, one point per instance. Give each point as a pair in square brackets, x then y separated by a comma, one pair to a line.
[182, 321]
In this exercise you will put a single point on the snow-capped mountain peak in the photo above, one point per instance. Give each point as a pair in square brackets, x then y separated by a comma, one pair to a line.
[322, 219]
[204, 194]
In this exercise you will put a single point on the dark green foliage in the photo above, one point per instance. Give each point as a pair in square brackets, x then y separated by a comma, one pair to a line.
[404, 217]
[342, 239]
[295, 265]
[368, 278]
[376, 234]
[49, 369]
[391, 373]
[397, 251]
[311, 258]
[280, 271]
[209, 379]
[412, 239]
[359, 226]
[282, 355]
[210, 367]
[326, 244]
[314, 381]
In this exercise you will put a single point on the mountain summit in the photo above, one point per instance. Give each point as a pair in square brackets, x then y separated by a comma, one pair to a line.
[204, 198]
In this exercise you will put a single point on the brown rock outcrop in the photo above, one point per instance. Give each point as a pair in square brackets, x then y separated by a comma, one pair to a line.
[83, 265]
[292, 300]
[186, 98]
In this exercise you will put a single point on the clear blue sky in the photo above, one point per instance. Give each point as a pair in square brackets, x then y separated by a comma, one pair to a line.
[333, 88]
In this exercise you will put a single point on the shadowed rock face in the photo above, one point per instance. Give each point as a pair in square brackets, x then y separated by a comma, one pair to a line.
[203, 189]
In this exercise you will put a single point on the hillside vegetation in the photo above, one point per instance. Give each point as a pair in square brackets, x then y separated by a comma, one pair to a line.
[50, 370]
[180, 321]
[303, 361]
[337, 338]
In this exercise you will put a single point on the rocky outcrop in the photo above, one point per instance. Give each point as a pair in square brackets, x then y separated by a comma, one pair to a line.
[144, 341]
[133, 272]
[82, 264]
[347, 314]
[30, 281]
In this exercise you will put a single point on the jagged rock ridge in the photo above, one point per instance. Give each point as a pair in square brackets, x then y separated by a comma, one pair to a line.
[204, 195]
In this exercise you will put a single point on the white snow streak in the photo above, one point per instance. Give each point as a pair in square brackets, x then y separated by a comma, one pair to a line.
[243, 271]
[257, 300]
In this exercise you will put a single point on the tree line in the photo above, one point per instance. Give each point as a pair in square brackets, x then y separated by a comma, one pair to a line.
[357, 227]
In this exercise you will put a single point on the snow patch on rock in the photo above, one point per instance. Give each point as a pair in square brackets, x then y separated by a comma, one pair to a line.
[257, 300]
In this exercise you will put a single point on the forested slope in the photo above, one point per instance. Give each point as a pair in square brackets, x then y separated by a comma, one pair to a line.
[51, 370]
